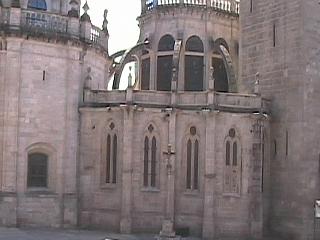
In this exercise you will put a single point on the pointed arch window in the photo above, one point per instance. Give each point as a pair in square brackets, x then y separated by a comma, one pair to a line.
[37, 4]
[165, 63]
[109, 161]
[192, 159]
[150, 159]
[194, 64]
[232, 173]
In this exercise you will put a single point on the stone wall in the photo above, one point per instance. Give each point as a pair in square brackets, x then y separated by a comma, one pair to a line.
[207, 212]
[279, 39]
[42, 87]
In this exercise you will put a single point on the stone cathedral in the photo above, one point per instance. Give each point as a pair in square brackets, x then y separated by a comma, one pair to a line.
[216, 134]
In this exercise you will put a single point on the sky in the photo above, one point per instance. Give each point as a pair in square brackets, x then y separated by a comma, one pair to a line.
[122, 15]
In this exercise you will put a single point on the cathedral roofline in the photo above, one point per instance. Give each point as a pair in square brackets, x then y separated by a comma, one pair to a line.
[229, 7]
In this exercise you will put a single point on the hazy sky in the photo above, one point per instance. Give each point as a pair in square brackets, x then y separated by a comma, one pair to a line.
[123, 27]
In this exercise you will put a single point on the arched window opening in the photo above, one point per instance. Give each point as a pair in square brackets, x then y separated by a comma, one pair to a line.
[189, 149]
[146, 162]
[153, 162]
[166, 43]
[165, 63]
[194, 64]
[37, 170]
[192, 171]
[194, 44]
[111, 156]
[232, 174]
[228, 153]
[145, 74]
[150, 159]
[220, 74]
[37, 4]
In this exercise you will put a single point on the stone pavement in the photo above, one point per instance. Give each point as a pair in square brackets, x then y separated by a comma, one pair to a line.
[58, 234]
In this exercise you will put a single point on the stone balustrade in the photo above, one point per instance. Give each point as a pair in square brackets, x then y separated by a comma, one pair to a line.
[226, 6]
[44, 21]
[230, 102]
[35, 22]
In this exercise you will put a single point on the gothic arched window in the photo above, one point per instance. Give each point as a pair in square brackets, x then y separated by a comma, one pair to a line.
[164, 63]
[194, 64]
[150, 159]
[37, 4]
[220, 59]
[145, 71]
[192, 171]
[232, 174]
[37, 170]
[109, 161]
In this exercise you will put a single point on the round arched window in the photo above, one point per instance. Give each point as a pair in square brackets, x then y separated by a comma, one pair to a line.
[37, 4]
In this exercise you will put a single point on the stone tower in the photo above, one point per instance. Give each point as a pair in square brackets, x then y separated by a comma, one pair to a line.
[46, 54]
[280, 43]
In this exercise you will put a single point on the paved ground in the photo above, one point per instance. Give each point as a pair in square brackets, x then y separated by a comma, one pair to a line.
[57, 234]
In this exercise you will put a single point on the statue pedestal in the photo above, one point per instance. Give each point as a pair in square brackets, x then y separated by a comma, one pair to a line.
[167, 232]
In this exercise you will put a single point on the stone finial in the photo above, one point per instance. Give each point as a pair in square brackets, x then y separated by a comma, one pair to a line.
[105, 21]
[15, 4]
[85, 17]
[211, 80]
[130, 78]
[256, 89]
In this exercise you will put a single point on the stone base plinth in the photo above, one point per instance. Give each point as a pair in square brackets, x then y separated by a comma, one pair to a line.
[167, 232]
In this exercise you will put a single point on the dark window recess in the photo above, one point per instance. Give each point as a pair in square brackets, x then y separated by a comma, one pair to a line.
[189, 146]
[235, 154]
[44, 75]
[145, 74]
[196, 165]
[108, 159]
[164, 73]
[275, 147]
[37, 4]
[115, 152]
[228, 153]
[194, 44]
[274, 35]
[166, 43]
[287, 143]
[194, 73]
[220, 75]
[251, 6]
[153, 161]
[146, 162]
[37, 170]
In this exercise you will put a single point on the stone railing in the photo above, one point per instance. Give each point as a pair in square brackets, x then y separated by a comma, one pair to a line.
[227, 6]
[44, 21]
[231, 102]
[40, 23]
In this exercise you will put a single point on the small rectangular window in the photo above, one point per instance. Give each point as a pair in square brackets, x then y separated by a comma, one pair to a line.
[251, 6]
[43, 75]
